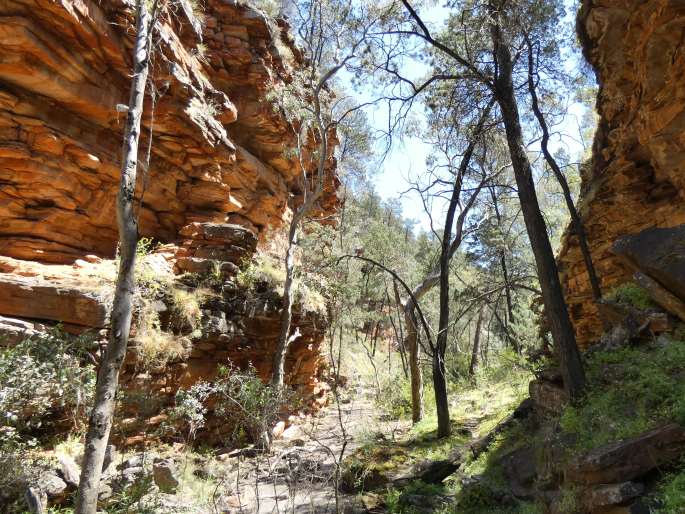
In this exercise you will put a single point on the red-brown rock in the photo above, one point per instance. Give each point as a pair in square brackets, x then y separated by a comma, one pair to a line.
[630, 458]
[636, 180]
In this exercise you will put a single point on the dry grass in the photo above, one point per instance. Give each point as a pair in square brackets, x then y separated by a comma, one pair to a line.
[155, 348]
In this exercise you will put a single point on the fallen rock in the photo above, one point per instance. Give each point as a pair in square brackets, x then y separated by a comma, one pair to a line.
[105, 491]
[51, 484]
[661, 295]
[278, 429]
[520, 469]
[36, 500]
[596, 499]
[657, 252]
[13, 331]
[548, 397]
[165, 475]
[629, 459]
[110, 454]
[69, 470]
[32, 297]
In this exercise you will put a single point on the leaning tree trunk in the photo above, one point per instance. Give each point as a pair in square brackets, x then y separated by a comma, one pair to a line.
[100, 422]
[475, 351]
[284, 337]
[552, 295]
[577, 222]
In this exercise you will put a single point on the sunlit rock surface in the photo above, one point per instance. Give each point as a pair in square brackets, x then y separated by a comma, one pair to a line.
[637, 177]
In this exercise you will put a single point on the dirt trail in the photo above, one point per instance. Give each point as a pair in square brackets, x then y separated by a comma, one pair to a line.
[299, 475]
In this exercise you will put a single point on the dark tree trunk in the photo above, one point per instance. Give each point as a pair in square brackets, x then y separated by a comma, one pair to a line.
[475, 351]
[555, 306]
[578, 226]
[441, 400]
[100, 422]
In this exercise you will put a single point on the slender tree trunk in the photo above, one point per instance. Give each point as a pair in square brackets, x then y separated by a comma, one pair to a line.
[415, 372]
[284, 337]
[578, 226]
[475, 351]
[441, 399]
[448, 247]
[505, 274]
[555, 306]
[100, 422]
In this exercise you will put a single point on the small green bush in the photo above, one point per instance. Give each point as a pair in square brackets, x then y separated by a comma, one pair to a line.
[240, 396]
[396, 500]
[631, 295]
[671, 494]
[45, 377]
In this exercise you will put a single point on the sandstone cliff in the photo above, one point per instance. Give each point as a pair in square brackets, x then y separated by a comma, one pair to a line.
[637, 177]
[220, 174]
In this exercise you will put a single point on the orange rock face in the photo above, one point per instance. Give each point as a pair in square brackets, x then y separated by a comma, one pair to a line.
[220, 173]
[637, 178]
[218, 147]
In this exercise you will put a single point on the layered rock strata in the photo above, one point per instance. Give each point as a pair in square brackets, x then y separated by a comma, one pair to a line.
[219, 175]
[637, 177]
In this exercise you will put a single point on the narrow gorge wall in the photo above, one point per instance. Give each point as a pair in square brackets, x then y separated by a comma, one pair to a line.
[220, 174]
[637, 176]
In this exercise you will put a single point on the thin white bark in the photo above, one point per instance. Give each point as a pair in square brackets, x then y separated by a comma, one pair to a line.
[100, 422]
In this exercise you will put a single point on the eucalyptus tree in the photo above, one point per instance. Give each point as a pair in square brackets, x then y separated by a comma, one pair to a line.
[100, 421]
[331, 37]
[481, 46]
[536, 66]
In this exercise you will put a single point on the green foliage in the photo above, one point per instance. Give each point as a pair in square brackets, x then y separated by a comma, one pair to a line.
[395, 398]
[19, 464]
[265, 274]
[239, 396]
[144, 247]
[397, 501]
[263, 271]
[631, 295]
[190, 408]
[630, 390]
[135, 499]
[568, 501]
[270, 7]
[41, 378]
[670, 493]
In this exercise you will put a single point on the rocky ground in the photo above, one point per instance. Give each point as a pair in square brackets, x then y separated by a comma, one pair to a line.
[298, 475]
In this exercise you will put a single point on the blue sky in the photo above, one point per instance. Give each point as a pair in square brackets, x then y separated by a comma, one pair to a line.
[407, 157]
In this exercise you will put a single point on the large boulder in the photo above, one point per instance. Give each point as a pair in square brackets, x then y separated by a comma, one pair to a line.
[630, 458]
[657, 252]
[165, 475]
[600, 497]
[56, 300]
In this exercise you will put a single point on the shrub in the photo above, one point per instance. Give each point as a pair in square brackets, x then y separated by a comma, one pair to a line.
[395, 398]
[236, 395]
[191, 407]
[155, 348]
[671, 493]
[631, 295]
[263, 271]
[44, 377]
[186, 307]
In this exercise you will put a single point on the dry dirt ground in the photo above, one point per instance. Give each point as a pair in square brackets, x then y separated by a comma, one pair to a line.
[299, 476]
